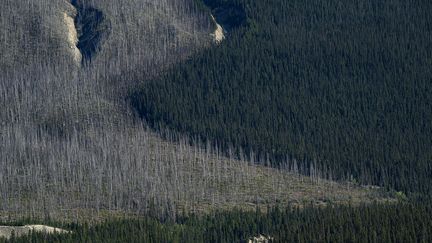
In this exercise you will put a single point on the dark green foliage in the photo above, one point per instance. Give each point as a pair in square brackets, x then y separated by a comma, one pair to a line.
[345, 83]
[375, 223]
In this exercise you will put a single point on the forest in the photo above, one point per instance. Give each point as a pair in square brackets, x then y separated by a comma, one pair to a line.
[376, 223]
[344, 85]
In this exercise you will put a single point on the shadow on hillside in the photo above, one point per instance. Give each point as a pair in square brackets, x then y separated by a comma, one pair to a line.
[230, 16]
[93, 29]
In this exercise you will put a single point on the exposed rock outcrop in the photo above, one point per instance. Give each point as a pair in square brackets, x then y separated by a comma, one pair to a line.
[218, 35]
[72, 37]
[261, 239]
[17, 231]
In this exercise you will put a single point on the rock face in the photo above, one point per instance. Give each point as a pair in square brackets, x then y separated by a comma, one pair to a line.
[17, 231]
[218, 34]
[72, 37]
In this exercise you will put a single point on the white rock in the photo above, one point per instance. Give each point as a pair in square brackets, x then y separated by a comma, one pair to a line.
[7, 231]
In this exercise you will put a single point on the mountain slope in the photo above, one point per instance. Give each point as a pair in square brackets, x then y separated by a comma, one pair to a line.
[69, 142]
[340, 86]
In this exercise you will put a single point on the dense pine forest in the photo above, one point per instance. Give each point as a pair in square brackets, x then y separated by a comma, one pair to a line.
[376, 223]
[344, 85]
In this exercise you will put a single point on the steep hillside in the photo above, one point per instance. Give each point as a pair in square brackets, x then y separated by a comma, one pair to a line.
[69, 141]
[60, 114]
[33, 34]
